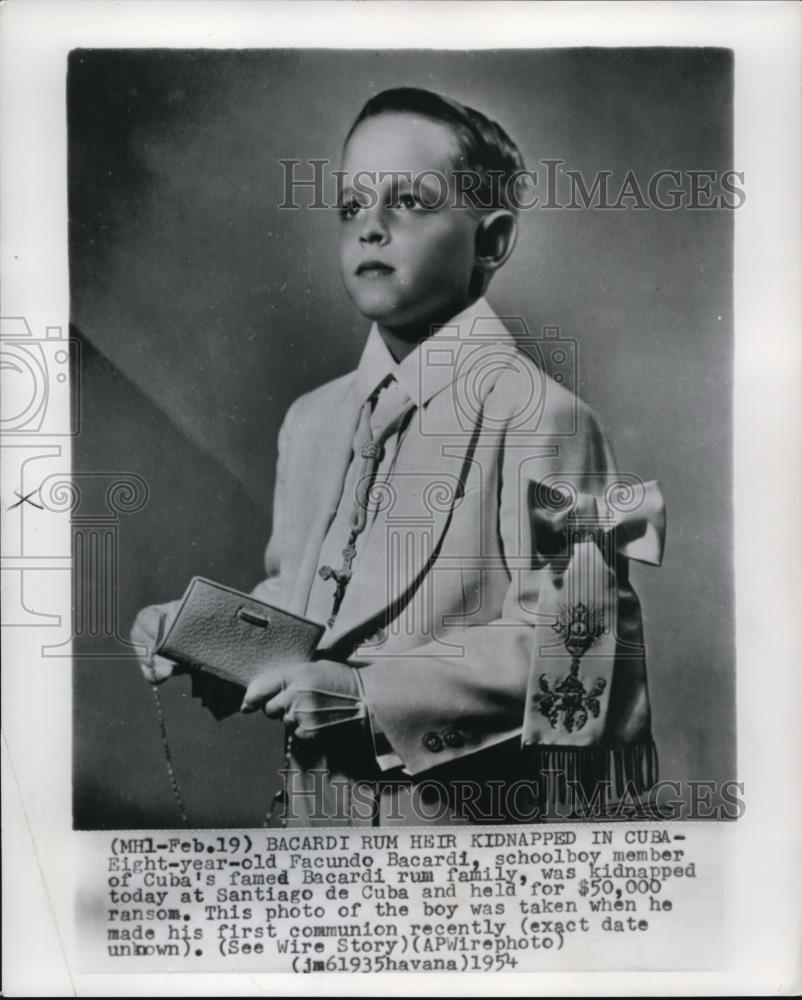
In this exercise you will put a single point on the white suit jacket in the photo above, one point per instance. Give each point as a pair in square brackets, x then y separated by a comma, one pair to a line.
[490, 603]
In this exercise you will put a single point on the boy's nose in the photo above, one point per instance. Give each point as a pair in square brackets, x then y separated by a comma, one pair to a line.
[373, 228]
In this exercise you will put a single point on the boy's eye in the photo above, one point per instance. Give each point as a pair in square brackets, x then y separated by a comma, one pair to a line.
[405, 201]
[348, 209]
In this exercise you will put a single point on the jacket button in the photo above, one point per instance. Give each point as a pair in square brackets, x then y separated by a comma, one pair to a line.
[453, 738]
[433, 742]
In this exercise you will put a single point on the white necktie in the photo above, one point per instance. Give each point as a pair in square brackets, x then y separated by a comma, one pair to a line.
[381, 416]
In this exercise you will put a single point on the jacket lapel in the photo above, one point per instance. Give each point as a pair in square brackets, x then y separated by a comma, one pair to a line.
[425, 486]
[416, 505]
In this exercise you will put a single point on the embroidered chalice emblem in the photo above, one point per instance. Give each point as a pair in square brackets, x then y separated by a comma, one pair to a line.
[581, 628]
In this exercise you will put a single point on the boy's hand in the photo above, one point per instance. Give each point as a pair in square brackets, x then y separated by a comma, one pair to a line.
[308, 696]
[148, 630]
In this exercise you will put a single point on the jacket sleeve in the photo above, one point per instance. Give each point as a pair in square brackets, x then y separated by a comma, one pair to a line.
[434, 709]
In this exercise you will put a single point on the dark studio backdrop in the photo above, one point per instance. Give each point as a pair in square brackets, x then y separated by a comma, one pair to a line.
[203, 310]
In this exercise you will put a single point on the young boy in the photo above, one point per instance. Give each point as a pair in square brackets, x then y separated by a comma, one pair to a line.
[452, 515]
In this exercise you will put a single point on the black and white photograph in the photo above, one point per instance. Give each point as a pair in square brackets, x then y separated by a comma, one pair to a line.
[400, 495]
[431, 343]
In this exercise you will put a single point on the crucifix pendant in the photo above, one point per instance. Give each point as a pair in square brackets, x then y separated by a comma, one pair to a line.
[340, 577]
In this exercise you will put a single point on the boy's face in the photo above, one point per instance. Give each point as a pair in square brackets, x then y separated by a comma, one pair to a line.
[404, 264]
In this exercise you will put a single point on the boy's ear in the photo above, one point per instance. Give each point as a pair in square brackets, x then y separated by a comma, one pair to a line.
[495, 239]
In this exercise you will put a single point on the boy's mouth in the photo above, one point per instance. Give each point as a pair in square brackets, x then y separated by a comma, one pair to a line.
[374, 268]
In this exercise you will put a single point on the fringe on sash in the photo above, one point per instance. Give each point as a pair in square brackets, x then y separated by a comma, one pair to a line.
[590, 782]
